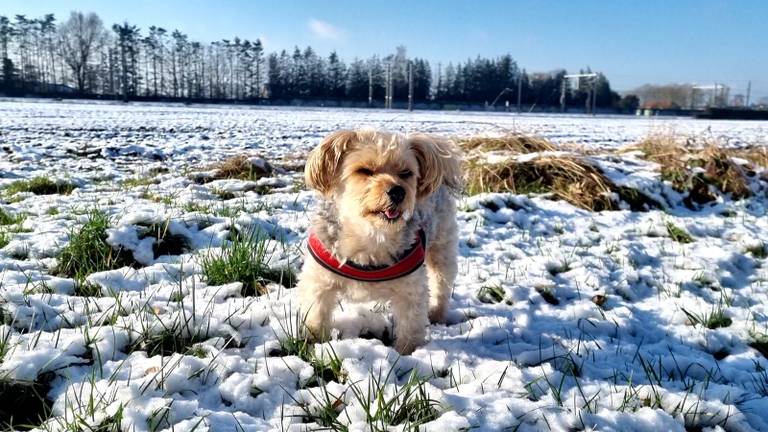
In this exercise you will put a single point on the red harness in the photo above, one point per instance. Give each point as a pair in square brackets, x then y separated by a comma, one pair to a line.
[407, 263]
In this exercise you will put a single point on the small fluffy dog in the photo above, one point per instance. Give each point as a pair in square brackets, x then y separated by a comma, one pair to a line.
[387, 206]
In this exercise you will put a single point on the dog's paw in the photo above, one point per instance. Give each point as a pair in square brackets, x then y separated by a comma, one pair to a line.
[316, 334]
[406, 346]
[437, 315]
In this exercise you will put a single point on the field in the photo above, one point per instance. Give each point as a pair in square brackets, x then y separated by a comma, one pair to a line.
[146, 286]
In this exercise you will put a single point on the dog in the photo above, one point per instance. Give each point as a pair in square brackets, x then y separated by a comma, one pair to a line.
[387, 206]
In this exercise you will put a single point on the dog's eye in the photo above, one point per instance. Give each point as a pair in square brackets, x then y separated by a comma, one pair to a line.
[365, 172]
[404, 174]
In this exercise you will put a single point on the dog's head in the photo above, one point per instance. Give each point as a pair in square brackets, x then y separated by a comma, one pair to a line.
[378, 176]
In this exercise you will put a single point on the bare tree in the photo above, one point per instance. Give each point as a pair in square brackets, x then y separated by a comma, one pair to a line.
[81, 36]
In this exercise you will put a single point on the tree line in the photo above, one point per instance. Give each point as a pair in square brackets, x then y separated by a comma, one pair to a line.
[80, 57]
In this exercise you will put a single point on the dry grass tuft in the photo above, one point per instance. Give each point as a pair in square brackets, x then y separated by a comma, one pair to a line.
[569, 178]
[242, 167]
[566, 176]
[515, 143]
[756, 155]
[699, 171]
[660, 148]
[722, 172]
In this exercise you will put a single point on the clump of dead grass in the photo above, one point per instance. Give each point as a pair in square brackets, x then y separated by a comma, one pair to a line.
[570, 178]
[721, 171]
[515, 143]
[701, 172]
[242, 167]
[757, 156]
[566, 176]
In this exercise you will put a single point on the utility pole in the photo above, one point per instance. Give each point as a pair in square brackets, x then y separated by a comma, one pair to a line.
[388, 92]
[749, 90]
[562, 96]
[410, 86]
[594, 94]
[370, 87]
[519, 92]
[693, 97]
[589, 106]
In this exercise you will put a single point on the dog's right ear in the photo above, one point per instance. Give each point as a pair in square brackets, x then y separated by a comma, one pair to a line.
[321, 170]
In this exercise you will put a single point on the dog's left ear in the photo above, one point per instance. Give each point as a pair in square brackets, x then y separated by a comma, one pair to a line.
[439, 163]
[321, 170]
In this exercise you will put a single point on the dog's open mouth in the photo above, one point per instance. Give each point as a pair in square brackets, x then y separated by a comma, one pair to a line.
[391, 214]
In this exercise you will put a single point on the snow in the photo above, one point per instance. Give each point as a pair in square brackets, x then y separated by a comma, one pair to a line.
[636, 362]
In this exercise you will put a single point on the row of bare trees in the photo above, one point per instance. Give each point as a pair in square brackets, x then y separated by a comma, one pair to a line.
[81, 57]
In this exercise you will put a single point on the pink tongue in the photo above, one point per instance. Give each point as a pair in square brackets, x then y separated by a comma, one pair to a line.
[392, 214]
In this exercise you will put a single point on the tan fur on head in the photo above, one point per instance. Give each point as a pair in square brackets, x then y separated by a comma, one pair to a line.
[320, 172]
[439, 163]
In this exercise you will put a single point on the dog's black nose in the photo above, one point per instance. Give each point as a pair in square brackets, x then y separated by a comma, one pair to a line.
[396, 194]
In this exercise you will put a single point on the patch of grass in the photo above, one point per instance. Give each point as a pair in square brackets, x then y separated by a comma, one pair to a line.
[660, 148]
[7, 218]
[757, 155]
[547, 294]
[716, 318]
[139, 181]
[24, 403]
[88, 251]
[195, 207]
[39, 287]
[678, 234]
[408, 405]
[166, 243]
[325, 413]
[52, 211]
[223, 194]
[723, 173]
[246, 259]
[758, 250]
[560, 267]
[5, 238]
[175, 339]
[18, 229]
[40, 186]
[516, 143]
[164, 199]
[759, 341]
[296, 341]
[698, 171]
[86, 289]
[491, 294]
[21, 253]
[569, 178]
[243, 167]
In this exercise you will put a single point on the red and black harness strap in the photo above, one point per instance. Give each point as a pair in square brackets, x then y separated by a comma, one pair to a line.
[408, 262]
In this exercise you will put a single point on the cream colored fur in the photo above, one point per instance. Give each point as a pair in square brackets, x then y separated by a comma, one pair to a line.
[352, 171]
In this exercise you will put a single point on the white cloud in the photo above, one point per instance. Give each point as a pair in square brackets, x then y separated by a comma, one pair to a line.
[325, 30]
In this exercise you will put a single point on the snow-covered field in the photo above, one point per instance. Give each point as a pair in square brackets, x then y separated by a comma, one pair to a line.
[562, 319]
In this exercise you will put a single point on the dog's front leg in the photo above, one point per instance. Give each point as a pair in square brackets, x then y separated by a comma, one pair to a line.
[317, 299]
[410, 306]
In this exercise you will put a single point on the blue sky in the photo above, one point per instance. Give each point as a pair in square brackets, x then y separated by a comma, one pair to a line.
[633, 42]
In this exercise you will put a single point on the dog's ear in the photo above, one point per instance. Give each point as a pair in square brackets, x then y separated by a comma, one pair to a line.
[321, 170]
[439, 163]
